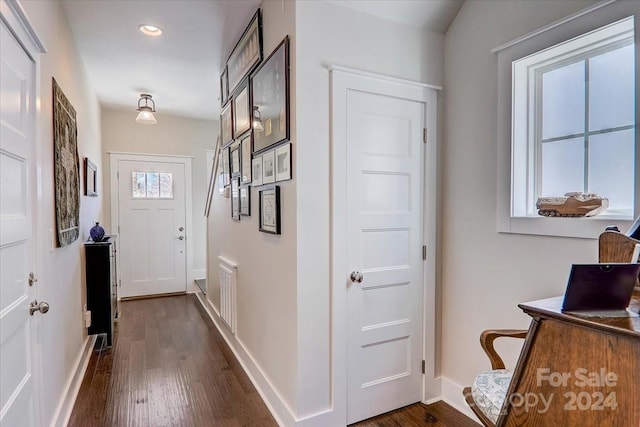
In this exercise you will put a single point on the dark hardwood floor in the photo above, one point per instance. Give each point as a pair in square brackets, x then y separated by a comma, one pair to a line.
[437, 414]
[169, 366]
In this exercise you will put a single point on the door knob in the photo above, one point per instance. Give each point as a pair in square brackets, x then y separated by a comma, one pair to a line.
[181, 229]
[180, 237]
[43, 307]
[356, 277]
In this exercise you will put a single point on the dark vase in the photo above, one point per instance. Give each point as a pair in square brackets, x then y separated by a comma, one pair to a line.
[96, 232]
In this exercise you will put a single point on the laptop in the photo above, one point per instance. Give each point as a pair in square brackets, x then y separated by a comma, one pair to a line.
[602, 287]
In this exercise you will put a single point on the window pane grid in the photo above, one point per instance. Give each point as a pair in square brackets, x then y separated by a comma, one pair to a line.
[590, 133]
[151, 185]
[554, 119]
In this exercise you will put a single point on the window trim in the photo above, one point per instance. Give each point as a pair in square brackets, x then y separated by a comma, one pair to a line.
[527, 88]
[566, 29]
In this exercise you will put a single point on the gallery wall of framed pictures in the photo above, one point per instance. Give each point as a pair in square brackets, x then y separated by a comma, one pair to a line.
[254, 126]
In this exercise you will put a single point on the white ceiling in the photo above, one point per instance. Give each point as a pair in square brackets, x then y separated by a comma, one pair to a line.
[435, 15]
[181, 67]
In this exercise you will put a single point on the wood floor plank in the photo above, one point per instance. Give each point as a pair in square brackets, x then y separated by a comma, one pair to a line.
[169, 366]
[437, 414]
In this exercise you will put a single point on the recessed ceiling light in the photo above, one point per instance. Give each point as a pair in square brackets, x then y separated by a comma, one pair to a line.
[150, 30]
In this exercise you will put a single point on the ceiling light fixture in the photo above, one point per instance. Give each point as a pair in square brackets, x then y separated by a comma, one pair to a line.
[257, 120]
[150, 30]
[145, 116]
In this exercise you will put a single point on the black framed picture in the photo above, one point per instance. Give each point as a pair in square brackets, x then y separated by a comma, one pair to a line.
[270, 99]
[245, 161]
[241, 122]
[247, 53]
[234, 153]
[245, 200]
[268, 167]
[256, 172]
[222, 183]
[270, 210]
[224, 87]
[283, 162]
[90, 178]
[225, 167]
[235, 199]
[226, 124]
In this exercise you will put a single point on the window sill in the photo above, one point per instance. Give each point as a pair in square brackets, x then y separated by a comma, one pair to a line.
[583, 228]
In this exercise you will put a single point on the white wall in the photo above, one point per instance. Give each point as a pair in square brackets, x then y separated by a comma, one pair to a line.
[330, 34]
[266, 296]
[172, 135]
[60, 271]
[486, 274]
[284, 307]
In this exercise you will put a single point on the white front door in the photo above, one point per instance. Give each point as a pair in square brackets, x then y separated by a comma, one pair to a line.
[152, 234]
[18, 340]
[384, 191]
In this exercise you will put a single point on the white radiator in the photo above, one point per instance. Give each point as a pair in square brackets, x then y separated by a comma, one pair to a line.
[227, 277]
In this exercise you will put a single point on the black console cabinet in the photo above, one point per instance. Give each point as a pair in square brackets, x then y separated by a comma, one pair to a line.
[102, 286]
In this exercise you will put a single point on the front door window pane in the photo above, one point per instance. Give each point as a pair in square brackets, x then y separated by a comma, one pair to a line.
[139, 184]
[166, 185]
[153, 185]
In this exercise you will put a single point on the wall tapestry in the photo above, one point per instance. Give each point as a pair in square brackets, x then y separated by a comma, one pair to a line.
[66, 168]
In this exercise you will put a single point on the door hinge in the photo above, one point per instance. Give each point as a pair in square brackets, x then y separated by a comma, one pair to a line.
[424, 252]
[424, 367]
[424, 135]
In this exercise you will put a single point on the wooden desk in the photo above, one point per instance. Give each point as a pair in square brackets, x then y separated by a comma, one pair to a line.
[575, 371]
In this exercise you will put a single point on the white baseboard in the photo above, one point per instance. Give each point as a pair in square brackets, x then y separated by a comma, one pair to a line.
[199, 273]
[272, 399]
[451, 392]
[63, 412]
[452, 395]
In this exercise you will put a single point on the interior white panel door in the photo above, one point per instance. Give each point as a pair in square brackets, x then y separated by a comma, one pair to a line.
[18, 340]
[384, 227]
[152, 231]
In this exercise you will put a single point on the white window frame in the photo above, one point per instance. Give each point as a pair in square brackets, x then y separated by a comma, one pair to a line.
[526, 110]
[516, 189]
